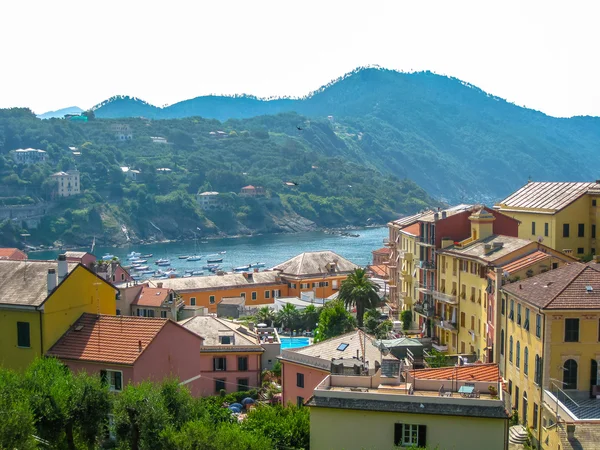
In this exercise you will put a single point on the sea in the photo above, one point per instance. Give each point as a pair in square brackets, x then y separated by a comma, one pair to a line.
[269, 249]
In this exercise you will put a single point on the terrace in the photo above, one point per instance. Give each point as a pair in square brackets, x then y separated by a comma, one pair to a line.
[572, 406]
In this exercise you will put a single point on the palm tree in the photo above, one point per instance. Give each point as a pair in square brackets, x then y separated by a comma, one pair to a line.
[310, 317]
[288, 316]
[266, 315]
[357, 290]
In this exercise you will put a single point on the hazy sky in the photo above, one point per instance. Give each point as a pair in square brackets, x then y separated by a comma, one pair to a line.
[541, 54]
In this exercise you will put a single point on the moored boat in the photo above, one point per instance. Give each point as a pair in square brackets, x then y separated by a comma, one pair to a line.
[241, 268]
[194, 258]
[183, 256]
[141, 268]
[214, 260]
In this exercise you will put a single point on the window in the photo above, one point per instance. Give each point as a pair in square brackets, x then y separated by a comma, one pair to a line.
[304, 285]
[510, 387]
[242, 384]
[510, 349]
[518, 359]
[538, 325]
[225, 340]
[511, 314]
[462, 319]
[565, 230]
[254, 295]
[570, 374]
[299, 401]
[519, 314]
[517, 398]
[243, 295]
[122, 277]
[526, 323]
[211, 299]
[533, 228]
[118, 312]
[535, 416]
[193, 301]
[594, 231]
[526, 361]
[580, 250]
[114, 278]
[571, 330]
[581, 230]
[163, 314]
[150, 313]
[594, 202]
[113, 378]
[219, 364]
[242, 363]
[300, 380]
[502, 342]
[267, 294]
[503, 302]
[406, 434]
[546, 229]
[23, 335]
[219, 386]
[537, 370]
[472, 323]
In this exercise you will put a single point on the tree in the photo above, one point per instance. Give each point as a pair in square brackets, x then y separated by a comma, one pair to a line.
[265, 315]
[288, 316]
[357, 290]
[90, 114]
[16, 416]
[375, 326]
[406, 317]
[333, 321]
[310, 317]
[287, 427]
[437, 359]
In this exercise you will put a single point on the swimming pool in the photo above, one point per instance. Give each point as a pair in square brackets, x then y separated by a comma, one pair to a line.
[295, 342]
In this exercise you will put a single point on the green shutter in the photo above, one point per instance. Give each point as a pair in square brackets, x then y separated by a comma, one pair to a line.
[422, 439]
[104, 377]
[397, 434]
[23, 336]
[118, 381]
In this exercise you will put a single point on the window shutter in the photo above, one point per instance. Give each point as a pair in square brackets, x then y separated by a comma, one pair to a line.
[214, 364]
[225, 364]
[397, 434]
[118, 381]
[422, 440]
[103, 377]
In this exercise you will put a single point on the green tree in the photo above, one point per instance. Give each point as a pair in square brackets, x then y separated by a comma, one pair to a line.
[406, 318]
[437, 359]
[201, 434]
[333, 321]
[358, 291]
[310, 317]
[16, 415]
[287, 427]
[265, 315]
[288, 316]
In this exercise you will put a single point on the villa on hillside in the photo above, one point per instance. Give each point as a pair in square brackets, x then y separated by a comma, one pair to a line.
[252, 191]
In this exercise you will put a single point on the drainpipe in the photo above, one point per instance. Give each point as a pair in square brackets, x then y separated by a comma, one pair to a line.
[41, 334]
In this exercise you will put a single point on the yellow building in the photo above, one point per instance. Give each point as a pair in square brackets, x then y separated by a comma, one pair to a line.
[549, 347]
[561, 215]
[40, 300]
[67, 183]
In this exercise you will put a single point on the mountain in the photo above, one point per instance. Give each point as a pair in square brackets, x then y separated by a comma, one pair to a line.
[455, 140]
[60, 113]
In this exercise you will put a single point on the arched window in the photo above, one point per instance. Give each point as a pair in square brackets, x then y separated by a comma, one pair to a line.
[510, 349]
[526, 361]
[502, 342]
[570, 374]
[518, 362]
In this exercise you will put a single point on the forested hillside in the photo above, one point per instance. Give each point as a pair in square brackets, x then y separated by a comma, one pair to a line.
[328, 187]
[451, 138]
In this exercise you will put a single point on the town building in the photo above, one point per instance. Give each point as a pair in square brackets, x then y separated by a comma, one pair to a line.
[303, 369]
[29, 156]
[111, 271]
[447, 408]
[122, 132]
[85, 258]
[252, 191]
[156, 302]
[231, 307]
[381, 256]
[67, 183]
[209, 201]
[40, 300]
[126, 350]
[549, 354]
[12, 253]
[159, 140]
[561, 215]
[132, 174]
[230, 355]
[321, 272]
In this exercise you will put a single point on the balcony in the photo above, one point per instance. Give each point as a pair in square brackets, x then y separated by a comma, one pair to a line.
[424, 309]
[427, 265]
[406, 256]
[387, 242]
[440, 296]
[435, 343]
[426, 241]
[446, 325]
[406, 276]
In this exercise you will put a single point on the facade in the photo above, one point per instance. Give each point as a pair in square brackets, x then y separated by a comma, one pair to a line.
[156, 302]
[209, 201]
[12, 253]
[29, 156]
[85, 258]
[252, 191]
[230, 355]
[67, 183]
[561, 215]
[381, 256]
[549, 350]
[411, 409]
[111, 271]
[159, 140]
[320, 272]
[40, 300]
[122, 132]
[132, 174]
[127, 350]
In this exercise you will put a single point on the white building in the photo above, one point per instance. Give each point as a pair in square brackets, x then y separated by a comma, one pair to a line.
[159, 140]
[29, 156]
[67, 183]
[122, 132]
[209, 201]
[130, 173]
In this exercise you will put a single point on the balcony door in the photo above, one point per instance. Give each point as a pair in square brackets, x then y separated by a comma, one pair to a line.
[593, 375]
[570, 374]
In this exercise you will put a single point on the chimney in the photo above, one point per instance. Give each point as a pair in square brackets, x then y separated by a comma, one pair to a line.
[159, 285]
[443, 214]
[251, 326]
[51, 280]
[571, 431]
[140, 346]
[62, 268]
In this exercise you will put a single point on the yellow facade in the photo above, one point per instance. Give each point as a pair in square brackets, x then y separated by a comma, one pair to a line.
[343, 429]
[81, 292]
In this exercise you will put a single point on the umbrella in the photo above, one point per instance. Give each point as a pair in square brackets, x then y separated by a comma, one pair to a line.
[261, 325]
[237, 405]
[235, 409]
[248, 401]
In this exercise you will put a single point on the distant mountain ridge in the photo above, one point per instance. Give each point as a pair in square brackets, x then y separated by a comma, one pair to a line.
[60, 113]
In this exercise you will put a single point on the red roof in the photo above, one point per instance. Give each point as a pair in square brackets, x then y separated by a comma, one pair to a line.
[249, 187]
[414, 229]
[379, 270]
[12, 253]
[383, 251]
[104, 338]
[151, 297]
[476, 372]
[525, 261]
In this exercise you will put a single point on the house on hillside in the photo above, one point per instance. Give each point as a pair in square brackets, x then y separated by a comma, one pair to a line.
[209, 201]
[67, 183]
[252, 191]
[29, 156]
[122, 132]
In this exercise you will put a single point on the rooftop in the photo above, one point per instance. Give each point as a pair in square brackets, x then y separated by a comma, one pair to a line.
[549, 196]
[114, 339]
[209, 193]
[316, 263]
[29, 150]
[453, 210]
[475, 372]
[220, 281]
[8, 253]
[382, 251]
[409, 220]
[25, 283]
[572, 286]
[380, 270]
[212, 329]
[78, 255]
[501, 246]
[413, 230]
[525, 261]
[153, 297]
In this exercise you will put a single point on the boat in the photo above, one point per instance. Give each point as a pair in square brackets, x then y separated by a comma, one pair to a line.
[204, 242]
[210, 266]
[194, 258]
[149, 255]
[139, 261]
[136, 277]
[148, 272]
[108, 256]
[189, 270]
[187, 275]
[214, 260]
[141, 268]
[222, 253]
[257, 264]
[162, 261]
[241, 268]
[133, 255]
[197, 272]
[183, 256]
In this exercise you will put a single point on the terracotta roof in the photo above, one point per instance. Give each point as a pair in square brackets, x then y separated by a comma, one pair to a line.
[10, 253]
[526, 261]
[379, 270]
[210, 328]
[505, 245]
[220, 281]
[249, 187]
[382, 251]
[475, 372]
[151, 297]
[562, 288]
[414, 229]
[106, 338]
[551, 196]
[315, 263]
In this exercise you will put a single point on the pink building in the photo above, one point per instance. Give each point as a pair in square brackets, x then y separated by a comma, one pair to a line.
[110, 271]
[252, 191]
[230, 356]
[130, 350]
[85, 258]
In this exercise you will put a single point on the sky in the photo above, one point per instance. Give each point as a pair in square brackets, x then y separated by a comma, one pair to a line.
[54, 54]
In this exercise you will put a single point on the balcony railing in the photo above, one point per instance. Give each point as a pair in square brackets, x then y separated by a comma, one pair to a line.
[427, 265]
[426, 240]
[440, 296]
[424, 309]
[405, 255]
[435, 343]
[446, 324]
[406, 276]
[387, 242]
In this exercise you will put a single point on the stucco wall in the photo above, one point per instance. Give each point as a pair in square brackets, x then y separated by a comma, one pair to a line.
[11, 356]
[231, 375]
[312, 377]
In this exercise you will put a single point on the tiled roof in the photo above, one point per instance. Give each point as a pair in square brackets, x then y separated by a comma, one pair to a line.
[315, 263]
[379, 270]
[414, 229]
[249, 187]
[25, 283]
[219, 281]
[552, 196]
[382, 251]
[430, 217]
[475, 372]
[409, 220]
[525, 261]
[151, 297]
[114, 339]
[210, 328]
[8, 253]
[477, 250]
[79, 255]
[562, 288]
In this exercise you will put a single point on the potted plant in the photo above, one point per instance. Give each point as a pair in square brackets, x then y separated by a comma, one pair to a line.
[493, 391]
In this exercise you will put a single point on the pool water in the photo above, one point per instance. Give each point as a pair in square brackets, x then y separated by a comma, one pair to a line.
[295, 342]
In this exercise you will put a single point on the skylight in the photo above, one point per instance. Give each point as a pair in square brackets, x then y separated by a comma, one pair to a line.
[589, 289]
[342, 347]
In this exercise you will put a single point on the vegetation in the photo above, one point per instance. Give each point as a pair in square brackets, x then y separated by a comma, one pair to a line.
[437, 359]
[51, 407]
[333, 321]
[375, 326]
[360, 292]
[406, 317]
